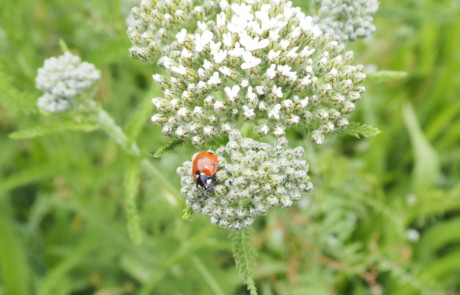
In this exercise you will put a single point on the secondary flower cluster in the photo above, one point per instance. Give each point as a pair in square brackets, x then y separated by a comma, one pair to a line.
[156, 23]
[252, 178]
[62, 79]
[259, 61]
[346, 20]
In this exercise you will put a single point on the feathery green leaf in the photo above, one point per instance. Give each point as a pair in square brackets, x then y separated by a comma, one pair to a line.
[14, 99]
[384, 76]
[359, 130]
[63, 46]
[244, 255]
[187, 213]
[53, 128]
[171, 146]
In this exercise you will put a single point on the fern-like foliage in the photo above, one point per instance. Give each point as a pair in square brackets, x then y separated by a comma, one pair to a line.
[14, 99]
[384, 76]
[423, 286]
[244, 255]
[432, 203]
[187, 213]
[359, 130]
[171, 146]
[45, 129]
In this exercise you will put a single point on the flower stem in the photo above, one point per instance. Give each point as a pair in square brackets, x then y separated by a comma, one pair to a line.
[154, 172]
[113, 130]
[207, 275]
[108, 125]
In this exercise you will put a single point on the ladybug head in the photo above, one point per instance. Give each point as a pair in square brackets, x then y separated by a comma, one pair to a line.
[205, 181]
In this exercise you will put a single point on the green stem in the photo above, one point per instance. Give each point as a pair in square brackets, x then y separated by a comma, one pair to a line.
[131, 148]
[113, 130]
[107, 123]
[155, 173]
[131, 190]
[207, 275]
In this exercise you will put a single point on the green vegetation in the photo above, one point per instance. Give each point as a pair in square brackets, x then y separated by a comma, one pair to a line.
[81, 213]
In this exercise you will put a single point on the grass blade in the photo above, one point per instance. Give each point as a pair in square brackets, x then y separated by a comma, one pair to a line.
[427, 168]
[131, 190]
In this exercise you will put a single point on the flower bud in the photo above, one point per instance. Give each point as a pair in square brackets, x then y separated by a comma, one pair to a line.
[63, 79]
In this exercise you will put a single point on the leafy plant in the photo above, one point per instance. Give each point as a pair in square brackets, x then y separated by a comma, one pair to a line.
[87, 209]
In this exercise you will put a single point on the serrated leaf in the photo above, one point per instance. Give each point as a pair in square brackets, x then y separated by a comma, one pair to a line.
[430, 203]
[53, 128]
[171, 146]
[359, 130]
[187, 213]
[131, 190]
[63, 46]
[14, 99]
[244, 255]
[384, 76]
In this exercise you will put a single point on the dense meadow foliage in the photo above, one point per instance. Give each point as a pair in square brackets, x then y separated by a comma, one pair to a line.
[89, 209]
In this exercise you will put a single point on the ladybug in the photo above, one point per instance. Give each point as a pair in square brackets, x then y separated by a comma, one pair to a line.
[204, 169]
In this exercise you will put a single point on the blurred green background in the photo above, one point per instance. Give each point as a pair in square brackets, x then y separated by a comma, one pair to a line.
[384, 217]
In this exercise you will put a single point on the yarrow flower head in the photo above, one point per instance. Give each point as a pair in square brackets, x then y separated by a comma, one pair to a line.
[263, 62]
[346, 20]
[126, 7]
[62, 79]
[154, 24]
[252, 178]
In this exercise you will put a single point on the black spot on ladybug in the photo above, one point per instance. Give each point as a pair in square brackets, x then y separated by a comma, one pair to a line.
[197, 172]
[211, 153]
[213, 165]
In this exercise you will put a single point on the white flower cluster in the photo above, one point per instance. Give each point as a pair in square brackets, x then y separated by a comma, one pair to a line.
[126, 7]
[262, 61]
[62, 79]
[156, 23]
[252, 178]
[346, 20]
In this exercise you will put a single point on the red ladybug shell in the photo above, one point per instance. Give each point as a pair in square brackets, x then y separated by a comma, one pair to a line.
[204, 168]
